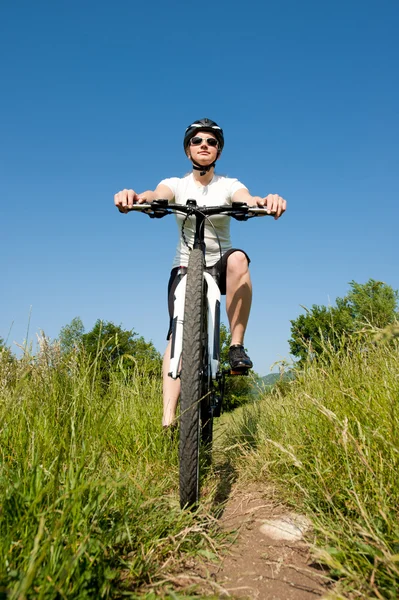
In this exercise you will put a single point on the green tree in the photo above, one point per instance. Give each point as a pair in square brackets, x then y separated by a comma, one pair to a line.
[107, 343]
[5, 350]
[7, 362]
[318, 327]
[71, 335]
[373, 303]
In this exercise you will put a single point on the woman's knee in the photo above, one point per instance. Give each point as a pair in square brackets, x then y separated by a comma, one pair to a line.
[237, 263]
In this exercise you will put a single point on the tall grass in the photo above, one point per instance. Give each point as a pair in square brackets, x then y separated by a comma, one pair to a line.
[331, 440]
[88, 481]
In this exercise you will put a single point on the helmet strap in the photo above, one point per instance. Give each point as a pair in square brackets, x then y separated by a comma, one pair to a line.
[202, 168]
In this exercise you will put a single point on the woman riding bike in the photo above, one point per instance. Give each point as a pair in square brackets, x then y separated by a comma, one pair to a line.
[203, 145]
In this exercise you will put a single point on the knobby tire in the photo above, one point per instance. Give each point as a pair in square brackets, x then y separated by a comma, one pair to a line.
[192, 379]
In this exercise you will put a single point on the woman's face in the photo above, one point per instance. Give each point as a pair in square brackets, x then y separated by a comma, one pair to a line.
[203, 153]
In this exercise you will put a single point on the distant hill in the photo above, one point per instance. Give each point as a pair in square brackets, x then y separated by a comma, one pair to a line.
[271, 379]
[266, 383]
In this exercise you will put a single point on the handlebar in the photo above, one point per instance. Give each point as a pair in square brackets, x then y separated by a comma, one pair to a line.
[238, 210]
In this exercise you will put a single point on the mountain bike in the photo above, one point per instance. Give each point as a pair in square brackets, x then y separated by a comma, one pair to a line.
[195, 340]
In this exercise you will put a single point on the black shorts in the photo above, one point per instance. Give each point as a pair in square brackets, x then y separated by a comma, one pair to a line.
[218, 271]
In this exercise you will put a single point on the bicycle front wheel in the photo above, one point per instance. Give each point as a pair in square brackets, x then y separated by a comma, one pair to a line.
[193, 372]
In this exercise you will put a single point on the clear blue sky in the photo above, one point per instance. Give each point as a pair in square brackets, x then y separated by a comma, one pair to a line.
[95, 97]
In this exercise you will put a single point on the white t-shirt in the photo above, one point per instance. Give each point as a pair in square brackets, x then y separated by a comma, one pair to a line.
[218, 192]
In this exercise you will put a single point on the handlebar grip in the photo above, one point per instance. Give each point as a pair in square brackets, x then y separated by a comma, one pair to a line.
[161, 202]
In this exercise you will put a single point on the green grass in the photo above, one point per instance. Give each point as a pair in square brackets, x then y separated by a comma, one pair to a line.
[331, 441]
[88, 483]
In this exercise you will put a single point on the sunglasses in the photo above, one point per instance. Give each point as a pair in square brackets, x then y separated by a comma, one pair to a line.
[196, 141]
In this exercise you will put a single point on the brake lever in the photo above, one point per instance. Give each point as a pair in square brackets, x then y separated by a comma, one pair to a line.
[158, 214]
[242, 216]
[157, 209]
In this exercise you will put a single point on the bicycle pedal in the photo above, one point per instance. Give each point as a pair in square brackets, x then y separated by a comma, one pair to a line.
[243, 371]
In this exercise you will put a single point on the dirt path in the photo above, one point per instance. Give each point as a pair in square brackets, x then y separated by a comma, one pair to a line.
[258, 566]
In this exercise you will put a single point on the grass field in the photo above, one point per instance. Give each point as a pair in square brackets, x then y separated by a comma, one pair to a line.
[88, 481]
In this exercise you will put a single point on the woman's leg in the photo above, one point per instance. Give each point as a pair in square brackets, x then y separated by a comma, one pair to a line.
[171, 391]
[238, 295]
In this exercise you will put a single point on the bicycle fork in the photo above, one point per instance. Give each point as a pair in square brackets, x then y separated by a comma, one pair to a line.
[213, 350]
[213, 319]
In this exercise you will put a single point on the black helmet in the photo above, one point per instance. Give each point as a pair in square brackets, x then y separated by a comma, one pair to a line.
[204, 125]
